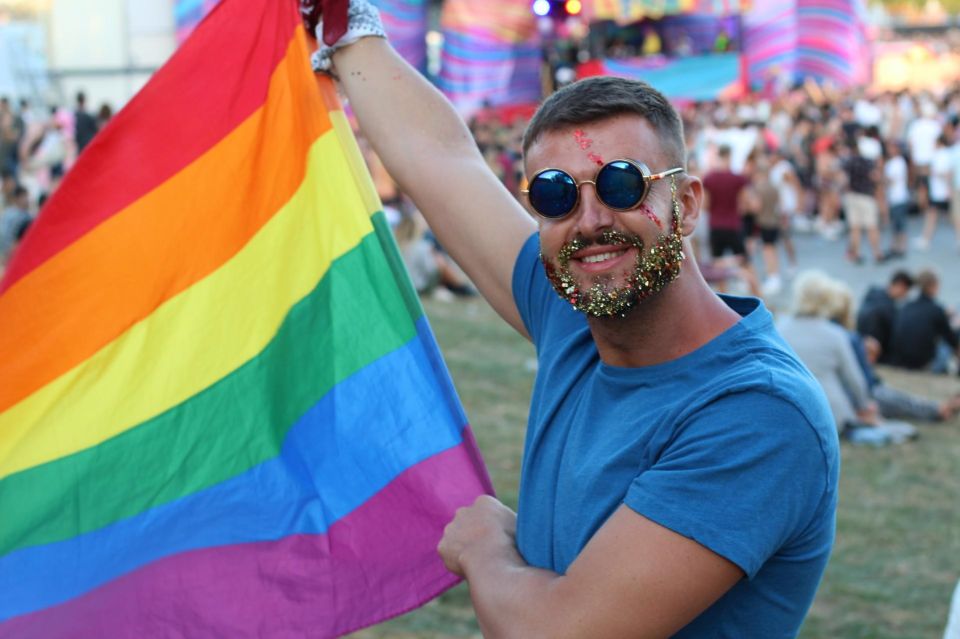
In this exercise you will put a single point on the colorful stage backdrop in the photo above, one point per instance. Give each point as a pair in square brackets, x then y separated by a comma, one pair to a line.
[492, 53]
[821, 39]
[690, 78]
[223, 412]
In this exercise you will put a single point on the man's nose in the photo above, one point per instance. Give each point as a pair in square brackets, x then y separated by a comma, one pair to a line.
[592, 215]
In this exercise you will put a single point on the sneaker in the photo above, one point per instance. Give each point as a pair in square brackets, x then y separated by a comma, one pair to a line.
[898, 431]
[771, 286]
[860, 434]
[921, 244]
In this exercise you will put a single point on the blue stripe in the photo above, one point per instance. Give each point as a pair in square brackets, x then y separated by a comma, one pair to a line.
[396, 412]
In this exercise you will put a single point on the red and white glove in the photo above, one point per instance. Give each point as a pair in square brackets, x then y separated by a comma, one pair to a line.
[338, 23]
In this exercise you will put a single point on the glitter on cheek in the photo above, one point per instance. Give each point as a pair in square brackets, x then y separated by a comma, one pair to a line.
[596, 159]
[651, 216]
[652, 271]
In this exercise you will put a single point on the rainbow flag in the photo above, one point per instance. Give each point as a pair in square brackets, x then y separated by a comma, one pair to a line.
[187, 14]
[222, 411]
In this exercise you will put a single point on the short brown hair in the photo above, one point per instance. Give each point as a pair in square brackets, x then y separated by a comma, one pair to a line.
[927, 280]
[599, 98]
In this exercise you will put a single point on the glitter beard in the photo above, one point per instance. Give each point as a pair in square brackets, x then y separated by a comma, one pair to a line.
[652, 271]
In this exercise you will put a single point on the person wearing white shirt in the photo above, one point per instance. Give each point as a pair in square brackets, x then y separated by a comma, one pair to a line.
[922, 136]
[895, 175]
[955, 191]
[941, 170]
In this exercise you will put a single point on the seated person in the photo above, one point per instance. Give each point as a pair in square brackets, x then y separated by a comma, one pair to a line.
[879, 308]
[922, 338]
[825, 349]
[892, 403]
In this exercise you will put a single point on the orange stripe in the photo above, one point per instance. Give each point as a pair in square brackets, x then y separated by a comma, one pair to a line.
[85, 296]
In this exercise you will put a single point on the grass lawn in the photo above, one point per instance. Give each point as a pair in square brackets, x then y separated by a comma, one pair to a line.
[897, 556]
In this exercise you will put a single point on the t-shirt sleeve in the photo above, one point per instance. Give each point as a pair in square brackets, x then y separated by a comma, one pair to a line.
[532, 292]
[744, 476]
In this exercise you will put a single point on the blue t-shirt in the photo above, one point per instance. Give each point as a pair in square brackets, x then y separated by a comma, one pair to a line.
[732, 445]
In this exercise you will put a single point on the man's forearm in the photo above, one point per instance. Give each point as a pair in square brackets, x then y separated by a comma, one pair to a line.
[513, 599]
[408, 122]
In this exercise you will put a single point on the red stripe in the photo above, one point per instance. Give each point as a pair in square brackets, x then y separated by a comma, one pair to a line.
[378, 562]
[180, 95]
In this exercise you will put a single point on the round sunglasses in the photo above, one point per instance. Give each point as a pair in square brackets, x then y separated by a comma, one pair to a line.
[620, 185]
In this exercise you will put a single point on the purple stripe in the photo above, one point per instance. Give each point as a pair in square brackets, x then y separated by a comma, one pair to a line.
[380, 561]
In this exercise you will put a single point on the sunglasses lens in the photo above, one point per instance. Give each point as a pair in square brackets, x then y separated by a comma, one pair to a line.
[620, 185]
[553, 193]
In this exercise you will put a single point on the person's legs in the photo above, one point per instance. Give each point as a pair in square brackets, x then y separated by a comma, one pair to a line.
[941, 360]
[853, 205]
[955, 215]
[771, 261]
[929, 226]
[898, 228]
[897, 404]
[786, 239]
[871, 218]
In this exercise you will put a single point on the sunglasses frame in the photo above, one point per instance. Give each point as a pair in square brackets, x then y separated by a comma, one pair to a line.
[645, 173]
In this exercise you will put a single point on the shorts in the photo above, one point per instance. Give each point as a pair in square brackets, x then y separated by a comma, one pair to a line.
[723, 239]
[898, 216]
[921, 179]
[749, 221]
[769, 235]
[862, 210]
[941, 206]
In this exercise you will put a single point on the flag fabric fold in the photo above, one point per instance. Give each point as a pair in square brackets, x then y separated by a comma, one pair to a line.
[223, 412]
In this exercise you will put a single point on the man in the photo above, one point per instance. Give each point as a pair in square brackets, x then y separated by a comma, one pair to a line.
[878, 310]
[922, 337]
[14, 221]
[860, 200]
[921, 137]
[723, 189]
[11, 132]
[85, 126]
[680, 468]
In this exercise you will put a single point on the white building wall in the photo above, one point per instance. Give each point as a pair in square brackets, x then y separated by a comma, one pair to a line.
[107, 48]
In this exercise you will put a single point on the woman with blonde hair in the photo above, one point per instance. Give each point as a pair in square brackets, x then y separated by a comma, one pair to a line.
[825, 349]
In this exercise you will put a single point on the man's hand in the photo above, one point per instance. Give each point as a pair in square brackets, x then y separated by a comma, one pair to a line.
[483, 531]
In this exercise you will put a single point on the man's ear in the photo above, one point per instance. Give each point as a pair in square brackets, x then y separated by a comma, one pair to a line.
[690, 196]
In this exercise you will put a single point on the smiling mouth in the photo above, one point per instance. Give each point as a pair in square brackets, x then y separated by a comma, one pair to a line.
[602, 257]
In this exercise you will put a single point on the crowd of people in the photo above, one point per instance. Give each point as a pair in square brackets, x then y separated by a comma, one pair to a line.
[37, 147]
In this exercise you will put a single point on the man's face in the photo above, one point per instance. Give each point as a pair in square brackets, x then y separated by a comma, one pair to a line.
[898, 290]
[603, 261]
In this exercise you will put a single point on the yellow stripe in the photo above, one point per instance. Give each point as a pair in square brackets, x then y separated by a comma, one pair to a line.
[202, 334]
[361, 176]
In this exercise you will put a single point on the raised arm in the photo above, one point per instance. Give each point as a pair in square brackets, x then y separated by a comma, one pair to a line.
[429, 151]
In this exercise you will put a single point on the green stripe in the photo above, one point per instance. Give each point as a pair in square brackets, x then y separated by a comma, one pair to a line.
[382, 228]
[229, 427]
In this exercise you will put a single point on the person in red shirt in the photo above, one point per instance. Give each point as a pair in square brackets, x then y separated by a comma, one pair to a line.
[722, 193]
